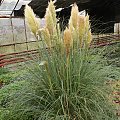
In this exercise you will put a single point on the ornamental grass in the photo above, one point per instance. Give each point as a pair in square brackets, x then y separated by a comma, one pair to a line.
[67, 82]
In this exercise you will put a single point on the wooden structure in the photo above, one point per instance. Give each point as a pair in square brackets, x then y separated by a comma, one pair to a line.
[104, 13]
[18, 57]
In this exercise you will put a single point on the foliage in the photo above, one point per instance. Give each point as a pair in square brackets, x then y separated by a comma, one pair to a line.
[3, 71]
[68, 82]
[4, 77]
[10, 85]
[7, 91]
[113, 54]
[8, 76]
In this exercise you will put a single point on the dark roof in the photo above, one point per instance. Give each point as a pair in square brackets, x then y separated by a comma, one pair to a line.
[39, 6]
[107, 11]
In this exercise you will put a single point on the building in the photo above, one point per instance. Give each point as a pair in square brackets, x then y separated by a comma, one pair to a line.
[104, 13]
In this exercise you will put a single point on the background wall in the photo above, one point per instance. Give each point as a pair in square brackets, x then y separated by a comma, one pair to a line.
[15, 36]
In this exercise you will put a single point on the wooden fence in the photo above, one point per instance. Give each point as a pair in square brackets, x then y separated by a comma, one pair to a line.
[15, 36]
[25, 55]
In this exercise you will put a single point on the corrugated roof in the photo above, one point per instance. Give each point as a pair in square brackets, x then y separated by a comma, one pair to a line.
[7, 6]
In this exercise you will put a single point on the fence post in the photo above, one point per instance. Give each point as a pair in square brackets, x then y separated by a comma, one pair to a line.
[25, 33]
[12, 32]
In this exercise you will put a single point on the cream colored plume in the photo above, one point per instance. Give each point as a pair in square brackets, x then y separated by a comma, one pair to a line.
[67, 40]
[81, 28]
[50, 18]
[89, 38]
[46, 36]
[87, 22]
[51, 8]
[88, 30]
[74, 16]
[49, 23]
[33, 22]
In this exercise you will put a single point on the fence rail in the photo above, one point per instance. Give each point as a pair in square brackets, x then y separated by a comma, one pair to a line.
[17, 57]
[7, 59]
[105, 39]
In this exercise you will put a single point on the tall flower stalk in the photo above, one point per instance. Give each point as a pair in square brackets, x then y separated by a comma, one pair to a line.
[80, 28]
[33, 22]
[67, 40]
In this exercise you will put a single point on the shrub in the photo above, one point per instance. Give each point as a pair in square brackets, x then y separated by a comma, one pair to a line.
[67, 82]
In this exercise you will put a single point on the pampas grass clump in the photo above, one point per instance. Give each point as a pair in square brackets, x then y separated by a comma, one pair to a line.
[67, 82]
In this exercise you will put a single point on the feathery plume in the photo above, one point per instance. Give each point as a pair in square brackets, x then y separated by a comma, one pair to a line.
[46, 36]
[49, 22]
[33, 22]
[51, 8]
[50, 18]
[81, 28]
[89, 38]
[74, 16]
[88, 30]
[67, 40]
[87, 23]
